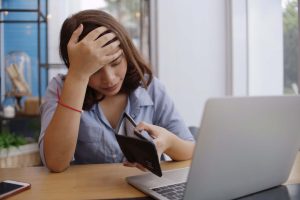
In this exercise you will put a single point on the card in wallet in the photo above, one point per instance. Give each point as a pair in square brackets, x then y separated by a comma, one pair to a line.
[137, 147]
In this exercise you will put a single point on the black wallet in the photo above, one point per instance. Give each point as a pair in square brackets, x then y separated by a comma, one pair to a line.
[137, 147]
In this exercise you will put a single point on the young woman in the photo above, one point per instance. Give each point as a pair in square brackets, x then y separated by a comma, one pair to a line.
[106, 77]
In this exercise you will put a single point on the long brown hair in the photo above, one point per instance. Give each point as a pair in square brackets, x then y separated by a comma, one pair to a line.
[137, 68]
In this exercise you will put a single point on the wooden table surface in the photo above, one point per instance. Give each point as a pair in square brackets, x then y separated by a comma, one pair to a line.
[98, 181]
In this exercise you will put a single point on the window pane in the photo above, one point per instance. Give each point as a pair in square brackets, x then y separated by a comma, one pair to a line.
[134, 16]
[291, 46]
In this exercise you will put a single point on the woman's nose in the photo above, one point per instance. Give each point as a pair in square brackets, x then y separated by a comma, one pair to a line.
[108, 75]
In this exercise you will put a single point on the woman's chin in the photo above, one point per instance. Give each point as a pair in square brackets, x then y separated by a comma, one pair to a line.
[110, 92]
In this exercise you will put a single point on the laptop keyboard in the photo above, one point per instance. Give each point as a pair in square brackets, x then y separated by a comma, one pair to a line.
[173, 192]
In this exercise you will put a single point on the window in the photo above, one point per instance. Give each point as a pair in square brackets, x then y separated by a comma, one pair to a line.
[291, 46]
[134, 16]
[265, 43]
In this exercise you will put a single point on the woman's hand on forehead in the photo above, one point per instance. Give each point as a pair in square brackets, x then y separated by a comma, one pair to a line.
[92, 52]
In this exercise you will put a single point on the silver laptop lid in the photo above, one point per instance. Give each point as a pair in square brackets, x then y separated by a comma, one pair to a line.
[245, 144]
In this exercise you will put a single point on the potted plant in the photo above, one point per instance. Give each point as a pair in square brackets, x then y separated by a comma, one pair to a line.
[17, 151]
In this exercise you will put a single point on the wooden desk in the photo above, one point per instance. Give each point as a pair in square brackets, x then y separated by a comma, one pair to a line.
[100, 181]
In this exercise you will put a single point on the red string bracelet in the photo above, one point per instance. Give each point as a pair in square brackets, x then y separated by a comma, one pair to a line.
[65, 105]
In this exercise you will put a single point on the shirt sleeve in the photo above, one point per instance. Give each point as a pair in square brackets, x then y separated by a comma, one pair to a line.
[165, 114]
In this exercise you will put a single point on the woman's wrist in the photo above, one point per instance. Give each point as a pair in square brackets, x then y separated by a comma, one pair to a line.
[74, 75]
[170, 141]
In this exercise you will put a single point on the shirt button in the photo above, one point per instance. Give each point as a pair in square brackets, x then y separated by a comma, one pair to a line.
[114, 155]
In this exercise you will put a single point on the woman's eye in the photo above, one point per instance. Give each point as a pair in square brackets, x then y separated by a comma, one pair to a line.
[116, 62]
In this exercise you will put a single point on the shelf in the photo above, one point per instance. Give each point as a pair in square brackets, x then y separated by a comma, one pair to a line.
[37, 11]
[53, 66]
[26, 125]
[39, 18]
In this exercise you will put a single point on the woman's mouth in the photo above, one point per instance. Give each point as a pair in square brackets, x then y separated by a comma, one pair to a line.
[112, 88]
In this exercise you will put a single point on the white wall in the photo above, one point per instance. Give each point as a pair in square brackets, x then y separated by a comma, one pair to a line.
[217, 48]
[256, 43]
[59, 11]
[57, 15]
[238, 47]
[192, 52]
[265, 47]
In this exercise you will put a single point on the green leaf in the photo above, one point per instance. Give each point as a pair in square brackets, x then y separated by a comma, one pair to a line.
[11, 140]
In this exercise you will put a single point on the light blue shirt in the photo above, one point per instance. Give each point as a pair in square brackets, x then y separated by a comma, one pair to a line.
[96, 138]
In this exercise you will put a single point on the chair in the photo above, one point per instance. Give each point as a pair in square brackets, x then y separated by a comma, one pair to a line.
[194, 130]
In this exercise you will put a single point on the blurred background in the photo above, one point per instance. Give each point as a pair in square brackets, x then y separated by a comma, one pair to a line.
[199, 49]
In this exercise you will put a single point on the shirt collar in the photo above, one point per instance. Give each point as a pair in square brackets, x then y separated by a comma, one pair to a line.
[137, 99]
[94, 107]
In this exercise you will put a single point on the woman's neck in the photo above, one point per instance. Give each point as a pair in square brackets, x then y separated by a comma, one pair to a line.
[113, 107]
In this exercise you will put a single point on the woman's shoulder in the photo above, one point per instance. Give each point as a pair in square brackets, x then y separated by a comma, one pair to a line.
[156, 85]
[57, 81]
[154, 91]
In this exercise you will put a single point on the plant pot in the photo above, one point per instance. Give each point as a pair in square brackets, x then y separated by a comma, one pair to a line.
[22, 156]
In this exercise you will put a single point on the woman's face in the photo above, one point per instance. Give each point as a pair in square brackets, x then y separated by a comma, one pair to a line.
[109, 79]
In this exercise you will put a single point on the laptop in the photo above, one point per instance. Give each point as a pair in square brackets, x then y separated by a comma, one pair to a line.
[244, 145]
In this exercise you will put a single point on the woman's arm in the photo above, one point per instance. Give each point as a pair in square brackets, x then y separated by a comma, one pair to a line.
[180, 149]
[169, 143]
[85, 57]
[62, 132]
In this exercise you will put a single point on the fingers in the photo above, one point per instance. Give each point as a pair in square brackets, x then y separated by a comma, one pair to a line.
[109, 58]
[94, 34]
[112, 50]
[147, 127]
[137, 165]
[111, 47]
[75, 35]
[143, 126]
[141, 167]
[100, 42]
[104, 39]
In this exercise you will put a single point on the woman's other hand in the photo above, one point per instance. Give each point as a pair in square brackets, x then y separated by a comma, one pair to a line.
[90, 54]
[162, 138]
[167, 142]
[137, 165]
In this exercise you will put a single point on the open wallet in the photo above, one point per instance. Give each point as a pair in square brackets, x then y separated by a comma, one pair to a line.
[137, 147]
